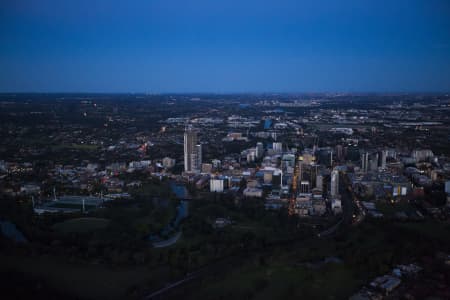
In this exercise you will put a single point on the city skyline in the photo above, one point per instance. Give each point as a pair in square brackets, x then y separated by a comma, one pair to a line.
[201, 196]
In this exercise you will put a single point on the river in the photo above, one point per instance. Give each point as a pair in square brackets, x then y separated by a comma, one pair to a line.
[173, 227]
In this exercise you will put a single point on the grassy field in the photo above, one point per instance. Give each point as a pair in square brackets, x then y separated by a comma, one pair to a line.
[81, 225]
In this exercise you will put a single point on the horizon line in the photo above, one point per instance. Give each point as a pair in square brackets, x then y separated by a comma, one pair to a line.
[227, 93]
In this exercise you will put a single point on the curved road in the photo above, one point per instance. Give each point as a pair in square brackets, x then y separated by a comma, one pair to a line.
[168, 242]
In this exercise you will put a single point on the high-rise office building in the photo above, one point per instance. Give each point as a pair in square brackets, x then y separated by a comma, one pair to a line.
[383, 157]
[339, 152]
[259, 150]
[313, 169]
[277, 147]
[319, 182]
[373, 162]
[365, 162]
[325, 156]
[197, 158]
[216, 185]
[251, 155]
[277, 178]
[334, 187]
[304, 187]
[288, 160]
[192, 151]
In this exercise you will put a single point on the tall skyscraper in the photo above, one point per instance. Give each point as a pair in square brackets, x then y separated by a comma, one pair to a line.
[383, 156]
[313, 169]
[365, 162]
[192, 151]
[259, 149]
[198, 159]
[319, 182]
[334, 187]
[277, 147]
[373, 162]
[339, 152]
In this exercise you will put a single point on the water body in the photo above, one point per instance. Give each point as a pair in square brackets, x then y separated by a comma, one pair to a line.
[10, 230]
[180, 191]
[173, 227]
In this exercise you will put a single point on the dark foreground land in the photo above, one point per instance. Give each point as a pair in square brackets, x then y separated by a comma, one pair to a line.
[251, 260]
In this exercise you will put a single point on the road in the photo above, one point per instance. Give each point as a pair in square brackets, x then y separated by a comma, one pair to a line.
[170, 286]
[168, 242]
[359, 213]
[220, 265]
[348, 208]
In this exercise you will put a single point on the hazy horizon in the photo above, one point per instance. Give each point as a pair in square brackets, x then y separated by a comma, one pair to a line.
[380, 93]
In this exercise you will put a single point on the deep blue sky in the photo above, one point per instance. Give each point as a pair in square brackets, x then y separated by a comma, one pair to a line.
[224, 46]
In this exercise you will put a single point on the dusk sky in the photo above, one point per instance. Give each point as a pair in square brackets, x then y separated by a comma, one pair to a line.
[224, 46]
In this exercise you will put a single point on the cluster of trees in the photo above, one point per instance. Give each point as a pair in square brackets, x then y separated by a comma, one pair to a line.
[378, 245]
[124, 241]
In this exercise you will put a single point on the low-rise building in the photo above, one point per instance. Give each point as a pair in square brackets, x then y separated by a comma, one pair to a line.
[168, 162]
[216, 185]
[253, 192]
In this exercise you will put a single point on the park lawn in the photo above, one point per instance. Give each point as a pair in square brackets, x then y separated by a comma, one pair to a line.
[81, 225]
